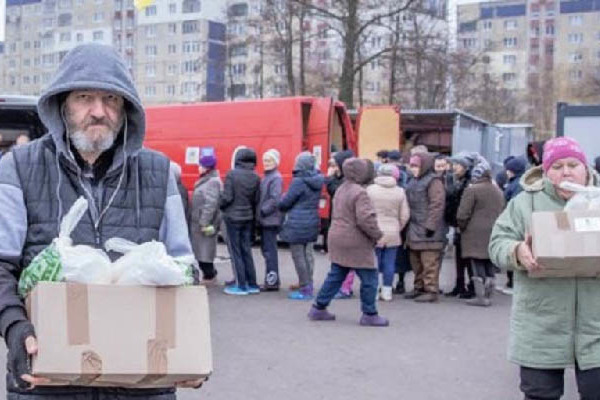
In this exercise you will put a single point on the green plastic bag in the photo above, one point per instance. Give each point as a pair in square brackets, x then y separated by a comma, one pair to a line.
[46, 266]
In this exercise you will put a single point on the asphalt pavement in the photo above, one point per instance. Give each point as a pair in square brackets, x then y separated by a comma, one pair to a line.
[265, 348]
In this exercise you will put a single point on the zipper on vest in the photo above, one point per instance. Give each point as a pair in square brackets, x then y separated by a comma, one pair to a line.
[97, 236]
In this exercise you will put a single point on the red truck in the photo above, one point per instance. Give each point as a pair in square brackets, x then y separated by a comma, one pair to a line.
[290, 125]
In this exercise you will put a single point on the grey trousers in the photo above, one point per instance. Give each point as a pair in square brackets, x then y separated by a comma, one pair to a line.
[91, 395]
[304, 261]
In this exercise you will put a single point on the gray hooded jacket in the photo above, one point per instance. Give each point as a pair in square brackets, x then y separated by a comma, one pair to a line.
[135, 197]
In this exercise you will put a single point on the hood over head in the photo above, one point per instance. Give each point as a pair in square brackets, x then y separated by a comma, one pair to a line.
[534, 179]
[342, 156]
[357, 170]
[93, 67]
[535, 152]
[245, 157]
[516, 165]
[305, 161]
[427, 163]
[597, 164]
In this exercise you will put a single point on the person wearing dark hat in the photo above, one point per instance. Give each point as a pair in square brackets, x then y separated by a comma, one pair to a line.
[205, 218]
[382, 156]
[597, 164]
[515, 168]
[462, 165]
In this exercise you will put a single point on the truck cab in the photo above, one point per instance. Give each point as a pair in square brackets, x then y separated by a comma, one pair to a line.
[18, 117]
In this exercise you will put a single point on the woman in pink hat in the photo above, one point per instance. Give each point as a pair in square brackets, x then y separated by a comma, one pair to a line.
[555, 322]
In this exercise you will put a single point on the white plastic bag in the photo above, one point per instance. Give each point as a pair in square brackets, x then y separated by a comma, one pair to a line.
[83, 264]
[585, 198]
[148, 264]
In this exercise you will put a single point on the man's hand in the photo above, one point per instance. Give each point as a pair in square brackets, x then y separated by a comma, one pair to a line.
[525, 255]
[195, 384]
[208, 230]
[22, 344]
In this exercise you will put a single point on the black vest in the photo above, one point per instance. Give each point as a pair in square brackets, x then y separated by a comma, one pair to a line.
[135, 214]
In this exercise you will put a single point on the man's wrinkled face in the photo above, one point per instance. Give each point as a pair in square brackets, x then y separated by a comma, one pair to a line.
[94, 119]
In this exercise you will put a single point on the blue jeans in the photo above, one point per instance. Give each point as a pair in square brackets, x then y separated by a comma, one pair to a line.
[240, 246]
[268, 247]
[386, 261]
[333, 283]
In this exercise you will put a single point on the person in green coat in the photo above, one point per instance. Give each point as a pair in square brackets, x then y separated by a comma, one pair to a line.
[555, 322]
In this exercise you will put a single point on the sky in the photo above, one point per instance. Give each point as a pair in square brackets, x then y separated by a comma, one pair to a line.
[2, 19]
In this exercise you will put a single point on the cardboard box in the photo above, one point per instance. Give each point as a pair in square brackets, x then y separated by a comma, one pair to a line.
[566, 243]
[126, 336]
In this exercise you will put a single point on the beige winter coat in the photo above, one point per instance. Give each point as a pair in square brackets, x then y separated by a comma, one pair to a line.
[391, 207]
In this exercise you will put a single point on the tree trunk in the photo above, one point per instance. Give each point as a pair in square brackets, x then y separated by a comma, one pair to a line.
[301, 69]
[350, 43]
[394, 62]
[289, 52]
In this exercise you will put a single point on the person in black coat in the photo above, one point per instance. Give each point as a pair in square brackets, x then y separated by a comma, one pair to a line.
[241, 194]
[515, 168]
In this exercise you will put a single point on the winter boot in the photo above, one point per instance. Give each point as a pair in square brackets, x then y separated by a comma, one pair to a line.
[320, 315]
[489, 284]
[386, 293]
[373, 320]
[480, 299]
[414, 294]
[427, 298]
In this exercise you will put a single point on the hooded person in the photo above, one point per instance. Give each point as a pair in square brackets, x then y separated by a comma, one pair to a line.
[352, 238]
[597, 164]
[240, 197]
[96, 127]
[301, 225]
[515, 168]
[554, 322]
[269, 217]
[427, 229]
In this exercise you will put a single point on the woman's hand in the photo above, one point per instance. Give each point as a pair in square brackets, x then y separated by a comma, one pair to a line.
[525, 255]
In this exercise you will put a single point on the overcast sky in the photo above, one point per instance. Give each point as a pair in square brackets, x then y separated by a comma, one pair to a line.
[2, 19]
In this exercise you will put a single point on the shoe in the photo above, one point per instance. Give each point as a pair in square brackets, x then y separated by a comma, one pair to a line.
[399, 289]
[466, 295]
[230, 283]
[294, 286]
[412, 295]
[507, 291]
[269, 288]
[235, 290]
[305, 293]
[373, 320]
[480, 298]
[209, 282]
[340, 295]
[320, 315]
[386, 293]
[253, 289]
[455, 292]
[427, 298]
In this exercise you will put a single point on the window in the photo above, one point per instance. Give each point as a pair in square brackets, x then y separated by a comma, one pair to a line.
[172, 49]
[575, 75]
[151, 50]
[191, 47]
[27, 45]
[26, 62]
[238, 69]
[190, 66]
[487, 25]
[236, 29]
[172, 28]
[575, 57]
[98, 17]
[510, 24]
[150, 70]
[98, 36]
[190, 27]
[575, 20]
[150, 11]
[190, 6]
[189, 88]
[509, 77]
[37, 44]
[80, 37]
[129, 42]
[549, 29]
[118, 5]
[36, 79]
[172, 69]
[26, 80]
[12, 63]
[150, 90]
[47, 60]
[65, 19]
[173, 8]
[575, 38]
[238, 50]
[510, 42]
[47, 22]
[550, 9]
[488, 44]
[469, 43]
[150, 31]
[510, 59]
[36, 62]
[238, 10]
[279, 69]
[65, 37]
[171, 90]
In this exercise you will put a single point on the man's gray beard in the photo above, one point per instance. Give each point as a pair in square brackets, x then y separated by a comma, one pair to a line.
[85, 145]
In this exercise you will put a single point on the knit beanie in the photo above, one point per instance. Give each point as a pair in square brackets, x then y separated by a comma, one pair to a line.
[559, 148]
[516, 165]
[273, 154]
[389, 170]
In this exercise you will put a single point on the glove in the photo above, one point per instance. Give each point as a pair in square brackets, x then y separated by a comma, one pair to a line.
[429, 233]
[208, 230]
[18, 359]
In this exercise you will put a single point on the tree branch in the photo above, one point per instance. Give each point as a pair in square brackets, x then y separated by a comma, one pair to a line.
[372, 57]
[378, 17]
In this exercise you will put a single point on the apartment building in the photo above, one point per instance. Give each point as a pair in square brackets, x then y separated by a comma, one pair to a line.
[175, 49]
[180, 52]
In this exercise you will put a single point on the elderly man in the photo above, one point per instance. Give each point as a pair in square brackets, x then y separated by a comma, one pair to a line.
[93, 148]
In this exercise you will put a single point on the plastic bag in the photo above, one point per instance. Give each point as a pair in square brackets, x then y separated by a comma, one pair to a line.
[585, 198]
[148, 264]
[63, 261]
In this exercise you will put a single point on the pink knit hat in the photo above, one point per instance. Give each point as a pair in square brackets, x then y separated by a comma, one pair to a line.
[559, 148]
